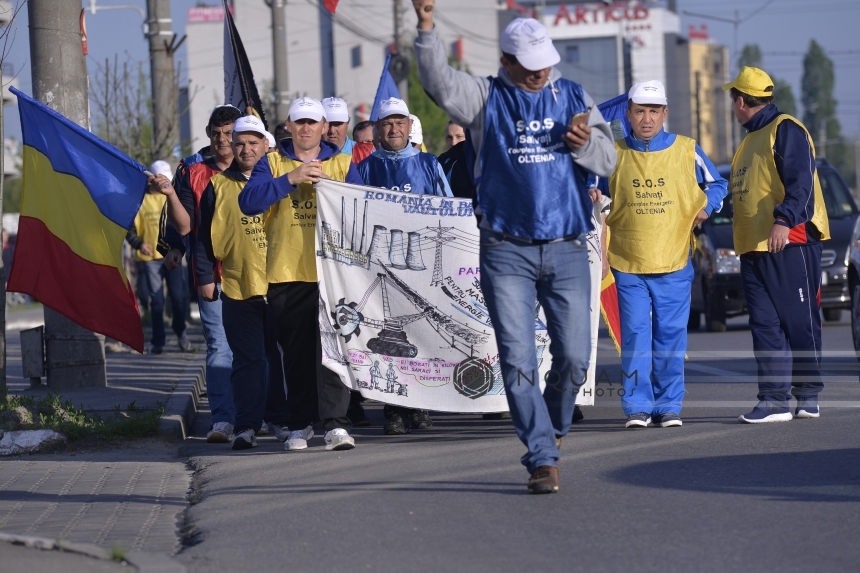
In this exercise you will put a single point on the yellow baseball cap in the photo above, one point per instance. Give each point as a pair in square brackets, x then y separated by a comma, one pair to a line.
[752, 81]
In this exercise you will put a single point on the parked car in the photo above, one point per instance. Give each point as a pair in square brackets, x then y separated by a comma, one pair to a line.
[717, 290]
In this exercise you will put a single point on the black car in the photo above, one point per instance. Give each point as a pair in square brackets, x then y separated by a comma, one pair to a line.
[717, 289]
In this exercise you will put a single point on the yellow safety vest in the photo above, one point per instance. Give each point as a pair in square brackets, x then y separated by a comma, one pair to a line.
[655, 199]
[292, 221]
[238, 241]
[757, 189]
[146, 225]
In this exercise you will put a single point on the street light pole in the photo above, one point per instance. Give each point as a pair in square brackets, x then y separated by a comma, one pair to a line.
[75, 356]
[165, 108]
[279, 47]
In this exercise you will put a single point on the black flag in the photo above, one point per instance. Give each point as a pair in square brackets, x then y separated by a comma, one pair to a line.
[239, 87]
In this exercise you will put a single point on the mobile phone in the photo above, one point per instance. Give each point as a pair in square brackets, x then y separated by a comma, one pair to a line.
[580, 118]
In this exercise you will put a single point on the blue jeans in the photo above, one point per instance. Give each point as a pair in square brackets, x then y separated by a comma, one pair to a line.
[219, 362]
[513, 275]
[152, 274]
[654, 313]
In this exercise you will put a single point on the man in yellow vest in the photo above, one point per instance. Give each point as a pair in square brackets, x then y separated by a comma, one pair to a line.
[239, 242]
[143, 237]
[282, 184]
[662, 187]
[779, 222]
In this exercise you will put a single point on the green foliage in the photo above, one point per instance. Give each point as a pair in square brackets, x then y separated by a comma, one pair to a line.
[750, 56]
[52, 412]
[12, 195]
[433, 119]
[819, 110]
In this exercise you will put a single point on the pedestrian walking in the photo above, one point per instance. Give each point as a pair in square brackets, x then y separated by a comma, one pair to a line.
[238, 242]
[663, 186]
[779, 222]
[179, 226]
[533, 157]
[283, 181]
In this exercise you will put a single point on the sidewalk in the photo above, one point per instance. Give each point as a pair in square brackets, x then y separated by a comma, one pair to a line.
[130, 496]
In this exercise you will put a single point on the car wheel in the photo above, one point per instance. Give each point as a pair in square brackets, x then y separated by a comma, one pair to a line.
[855, 319]
[694, 321]
[832, 314]
[715, 318]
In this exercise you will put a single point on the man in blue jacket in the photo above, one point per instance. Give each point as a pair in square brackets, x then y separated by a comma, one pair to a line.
[779, 222]
[281, 189]
[399, 166]
[533, 212]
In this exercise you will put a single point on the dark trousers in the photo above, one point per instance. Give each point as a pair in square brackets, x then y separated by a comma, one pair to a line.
[782, 292]
[256, 379]
[154, 273]
[313, 392]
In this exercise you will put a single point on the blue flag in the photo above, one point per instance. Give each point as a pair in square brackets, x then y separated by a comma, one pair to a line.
[387, 89]
[615, 113]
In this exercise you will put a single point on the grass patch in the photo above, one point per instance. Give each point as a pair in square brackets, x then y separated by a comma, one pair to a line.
[52, 412]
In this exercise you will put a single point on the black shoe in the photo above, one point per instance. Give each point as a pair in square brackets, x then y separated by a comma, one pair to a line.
[497, 416]
[357, 416]
[421, 420]
[577, 414]
[395, 426]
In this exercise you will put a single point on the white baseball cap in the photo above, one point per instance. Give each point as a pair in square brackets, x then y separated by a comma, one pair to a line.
[336, 109]
[161, 167]
[527, 39]
[651, 92]
[271, 139]
[250, 123]
[392, 106]
[307, 108]
[416, 134]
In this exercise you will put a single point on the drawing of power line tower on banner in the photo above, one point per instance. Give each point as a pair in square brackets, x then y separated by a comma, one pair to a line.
[440, 239]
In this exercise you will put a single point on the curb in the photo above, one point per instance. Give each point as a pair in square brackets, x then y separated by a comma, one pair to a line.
[184, 402]
[140, 560]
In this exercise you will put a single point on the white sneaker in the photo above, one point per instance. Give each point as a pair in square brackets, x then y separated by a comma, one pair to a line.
[338, 439]
[221, 433]
[298, 440]
[282, 433]
[264, 429]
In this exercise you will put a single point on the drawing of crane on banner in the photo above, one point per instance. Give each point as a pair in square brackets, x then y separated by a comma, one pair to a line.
[391, 339]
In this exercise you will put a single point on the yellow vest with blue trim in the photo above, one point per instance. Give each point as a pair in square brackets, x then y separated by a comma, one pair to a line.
[291, 223]
[238, 241]
[655, 199]
[146, 224]
[757, 189]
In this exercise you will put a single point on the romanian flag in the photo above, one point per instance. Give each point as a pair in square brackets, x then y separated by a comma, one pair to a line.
[609, 309]
[79, 197]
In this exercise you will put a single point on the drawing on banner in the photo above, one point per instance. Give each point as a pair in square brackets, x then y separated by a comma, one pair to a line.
[402, 314]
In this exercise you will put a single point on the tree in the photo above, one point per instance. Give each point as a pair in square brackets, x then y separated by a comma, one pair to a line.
[819, 110]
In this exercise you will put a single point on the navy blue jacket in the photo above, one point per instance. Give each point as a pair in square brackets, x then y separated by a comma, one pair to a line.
[792, 154]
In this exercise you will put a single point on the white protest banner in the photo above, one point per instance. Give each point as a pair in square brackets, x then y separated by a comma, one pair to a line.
[402, 315]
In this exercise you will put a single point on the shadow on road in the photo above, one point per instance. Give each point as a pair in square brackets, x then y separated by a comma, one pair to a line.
[820, 476]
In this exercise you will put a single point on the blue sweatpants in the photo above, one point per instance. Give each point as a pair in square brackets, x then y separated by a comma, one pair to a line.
[654, 311]
[782, 291]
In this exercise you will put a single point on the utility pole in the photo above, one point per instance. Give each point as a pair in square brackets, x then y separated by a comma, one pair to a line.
[279, 47]
[165, 105]
[75, 357]
[402, 85]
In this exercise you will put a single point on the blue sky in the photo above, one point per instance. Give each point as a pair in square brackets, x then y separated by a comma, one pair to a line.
[783, 30]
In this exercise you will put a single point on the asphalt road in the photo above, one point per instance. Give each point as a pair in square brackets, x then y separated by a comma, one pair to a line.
[713, 495]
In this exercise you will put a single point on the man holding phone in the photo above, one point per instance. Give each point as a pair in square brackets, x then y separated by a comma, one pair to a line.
[533, 212]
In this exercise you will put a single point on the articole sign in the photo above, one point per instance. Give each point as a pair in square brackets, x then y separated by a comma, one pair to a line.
[599, 13]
